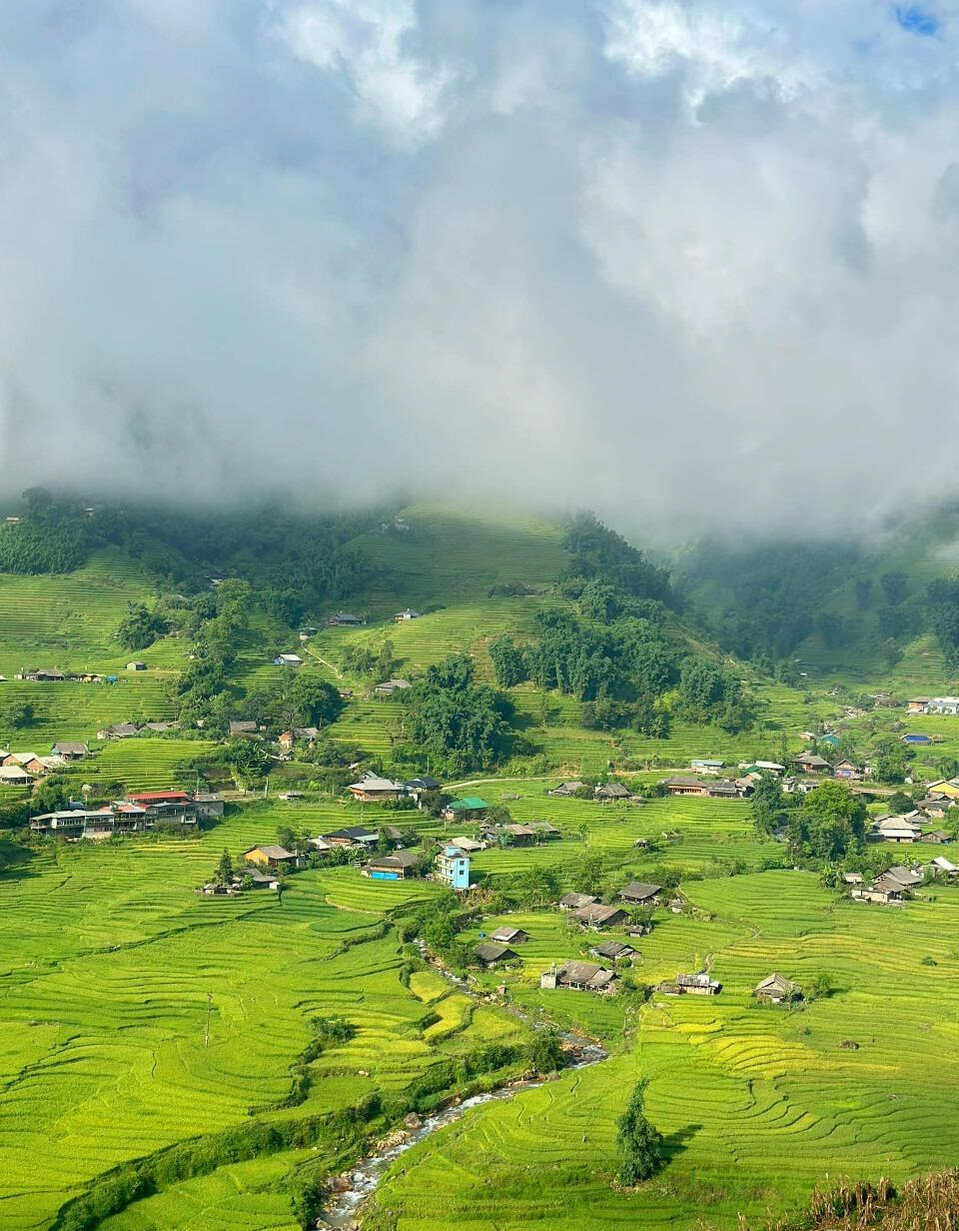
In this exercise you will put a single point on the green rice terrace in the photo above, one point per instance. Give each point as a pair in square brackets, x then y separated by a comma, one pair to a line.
[181, 1049]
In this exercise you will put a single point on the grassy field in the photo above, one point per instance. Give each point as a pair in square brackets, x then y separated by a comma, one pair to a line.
[109, 971]
[757, 1104]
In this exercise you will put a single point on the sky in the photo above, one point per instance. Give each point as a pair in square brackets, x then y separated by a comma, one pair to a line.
[693, 265]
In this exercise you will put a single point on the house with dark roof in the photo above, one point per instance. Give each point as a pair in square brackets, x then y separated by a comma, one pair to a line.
[491, 954]
[70, 750]
[699, 984]
[579, 977]
[352, 835]
[507, 935]
[610, 791]
[576, 901]
[777, 989]
[612, 951]
[400, 865]
[568, 788]
[637, 893]
[597, 916]
[811, 763]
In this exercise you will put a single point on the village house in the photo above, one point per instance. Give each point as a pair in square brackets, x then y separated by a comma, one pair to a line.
[511, 834]
[288, 660]
[575, 901]
[388, 687]
[407, 614]
[469, 845]
[699, 984]
[468, 807]
[119, 730]
[14, 775]
[609, 792]
[944, 788]
[848, 770]
[777, 989]
[637, 893]
[418, 787]
[372, 789]
[70, 750]
[136, 665]
[209, 805]
[933, 807]
[491, 954]
[579, 977]
[943, 705]
[319, 844]
[941, 866]
[706, 766]
[597, 916]
[342, 618]
[28, 761]
[707, 788]
[453, 867]
[506, 935]
[270, 856]
[899, 829]
[400, 865]
[917, 705]
[175, 806]
[244, 726]
[352, 836]
[880, 892]
[308, 735]
[852, 878]
[568, 788]
[612, 951]
[812, 763]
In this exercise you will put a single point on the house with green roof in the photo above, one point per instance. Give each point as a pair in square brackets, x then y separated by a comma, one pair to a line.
[468, 807]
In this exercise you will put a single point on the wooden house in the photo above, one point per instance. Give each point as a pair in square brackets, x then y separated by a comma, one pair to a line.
[506, 935]
[576, 901]
[270, 856]
[612, 951]
[597, 916]
[400, 865]
[699, 984]
[372, 789]
[637, 893]
[777, 989]
[579, 977]
[70, 750]
[491, 954]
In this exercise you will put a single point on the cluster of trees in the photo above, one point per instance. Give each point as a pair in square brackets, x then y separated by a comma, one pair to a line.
[709, 694]
[598, 552]
[458, 724]
[140, 627]
[53, 536]
[374, 664]
[827, 824]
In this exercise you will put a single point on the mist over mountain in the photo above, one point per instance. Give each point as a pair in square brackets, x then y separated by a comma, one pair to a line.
[689, 264]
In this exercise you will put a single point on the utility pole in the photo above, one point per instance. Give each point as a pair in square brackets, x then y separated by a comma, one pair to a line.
[209, 1011]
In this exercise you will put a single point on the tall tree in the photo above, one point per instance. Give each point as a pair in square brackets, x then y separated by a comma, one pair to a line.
[640, 1144]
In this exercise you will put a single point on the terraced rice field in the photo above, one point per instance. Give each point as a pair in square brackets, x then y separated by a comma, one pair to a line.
[113, 971]
[758, 1104]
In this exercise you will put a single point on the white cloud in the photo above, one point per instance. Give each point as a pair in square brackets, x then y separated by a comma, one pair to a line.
[692, 264]
[366, 41]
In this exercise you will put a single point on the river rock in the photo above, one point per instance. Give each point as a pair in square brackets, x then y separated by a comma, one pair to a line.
[413, 1121]
[340, 1184]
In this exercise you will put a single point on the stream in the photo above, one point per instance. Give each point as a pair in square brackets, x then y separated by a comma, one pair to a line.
[343, 1207]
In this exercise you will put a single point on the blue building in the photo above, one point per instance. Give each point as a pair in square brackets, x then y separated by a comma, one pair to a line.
[453, 866]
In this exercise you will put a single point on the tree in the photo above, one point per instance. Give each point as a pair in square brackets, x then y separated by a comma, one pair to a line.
[249, 759]
[768, 806]
[317, 702]
[140, 627]
[509, 662]
[863, 592]
[833, 821]
[894, 584]
[546, 1053]
[224, 869]
[641, 1145]
[18, 714]
[49, 795]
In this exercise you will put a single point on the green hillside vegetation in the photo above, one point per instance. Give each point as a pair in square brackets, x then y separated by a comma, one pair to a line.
[176, 1060]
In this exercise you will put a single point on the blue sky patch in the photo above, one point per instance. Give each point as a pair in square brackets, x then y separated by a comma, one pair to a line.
[916, 20]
